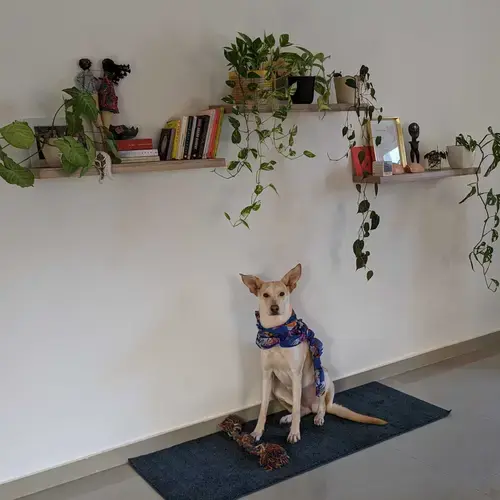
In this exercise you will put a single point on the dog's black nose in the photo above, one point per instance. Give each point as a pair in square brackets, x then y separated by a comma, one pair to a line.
[275, 309]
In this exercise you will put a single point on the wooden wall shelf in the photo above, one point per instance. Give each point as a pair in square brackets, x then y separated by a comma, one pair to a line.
[153, 166]
[428, 175]
[296, 108]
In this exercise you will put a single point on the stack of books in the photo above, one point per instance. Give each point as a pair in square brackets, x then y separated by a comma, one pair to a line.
[192, 137]
[137, 150]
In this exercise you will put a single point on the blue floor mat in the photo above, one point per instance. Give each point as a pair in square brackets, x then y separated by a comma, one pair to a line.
[215, 468]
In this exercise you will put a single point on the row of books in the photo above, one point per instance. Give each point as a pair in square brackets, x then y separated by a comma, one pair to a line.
[192, 137]
[137, 150]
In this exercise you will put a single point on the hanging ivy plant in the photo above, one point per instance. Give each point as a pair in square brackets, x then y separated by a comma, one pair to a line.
[482, 252]
[364, 109]
[258, 80]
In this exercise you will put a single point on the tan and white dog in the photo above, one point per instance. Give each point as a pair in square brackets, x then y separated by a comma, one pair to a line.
[288, 372]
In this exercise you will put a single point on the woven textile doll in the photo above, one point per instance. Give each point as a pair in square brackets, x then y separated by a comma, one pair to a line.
[86, 81]
[108, 100]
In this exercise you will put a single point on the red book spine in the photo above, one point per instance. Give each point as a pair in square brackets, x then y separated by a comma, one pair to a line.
[134, 144]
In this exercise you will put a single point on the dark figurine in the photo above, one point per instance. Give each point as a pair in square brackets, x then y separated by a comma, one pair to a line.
[86, 81]
[108, 100]
[414, 131]
[122, 132]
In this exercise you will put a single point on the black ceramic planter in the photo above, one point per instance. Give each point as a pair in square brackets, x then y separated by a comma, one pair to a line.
[305, 89]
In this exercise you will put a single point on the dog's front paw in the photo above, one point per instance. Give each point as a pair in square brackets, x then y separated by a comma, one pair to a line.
[319, 420]
[257, 434]
[294, 437]
[287, 419]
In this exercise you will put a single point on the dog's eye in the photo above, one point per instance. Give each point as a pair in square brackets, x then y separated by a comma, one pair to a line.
[266, 295]
[282, 294]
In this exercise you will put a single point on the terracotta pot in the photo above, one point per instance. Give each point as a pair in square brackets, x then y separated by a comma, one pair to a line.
[345, 94]
[460, 157]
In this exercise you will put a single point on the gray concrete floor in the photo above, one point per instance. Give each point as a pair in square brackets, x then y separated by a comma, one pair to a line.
[457, 458]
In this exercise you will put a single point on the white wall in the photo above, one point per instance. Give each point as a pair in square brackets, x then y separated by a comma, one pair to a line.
[122, 313]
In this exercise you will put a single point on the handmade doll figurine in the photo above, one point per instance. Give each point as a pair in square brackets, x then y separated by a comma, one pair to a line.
[108, 100]
[85, 80]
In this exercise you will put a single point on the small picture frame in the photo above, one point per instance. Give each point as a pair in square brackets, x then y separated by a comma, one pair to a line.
[390, 147]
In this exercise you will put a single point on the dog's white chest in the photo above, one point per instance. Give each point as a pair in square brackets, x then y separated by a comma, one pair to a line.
[282, 361]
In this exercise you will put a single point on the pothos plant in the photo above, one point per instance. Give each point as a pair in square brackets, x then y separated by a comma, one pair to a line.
[365, 109]
[260, 66]
[77, 148]
[482, 252]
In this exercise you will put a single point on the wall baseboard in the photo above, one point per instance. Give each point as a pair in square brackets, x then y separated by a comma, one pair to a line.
[110, 459]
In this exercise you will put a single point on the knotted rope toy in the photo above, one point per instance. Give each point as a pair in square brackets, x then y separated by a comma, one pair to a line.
[271, 456]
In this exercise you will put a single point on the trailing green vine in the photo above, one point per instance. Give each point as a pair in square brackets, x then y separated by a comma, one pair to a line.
[365, 109]
[482, 252]
[260, 68]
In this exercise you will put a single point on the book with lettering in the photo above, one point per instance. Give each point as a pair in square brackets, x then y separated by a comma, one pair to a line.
[134, 144]
[188, 147]
[217, 134]
[182, 138]
[205, 121]
[137, 152]
[195, 154]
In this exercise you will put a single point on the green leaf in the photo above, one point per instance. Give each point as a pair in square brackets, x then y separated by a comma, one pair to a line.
[113, 150]
[493, 280]
[358, 188]
[309, 154]
[246, 211]
[256, 206]
[231, 83]
[252, 87]
[74, 122]
[267, 167]
[243, 154]
[269, 40]
[234, 122]
[253, 74]
[363, 207]
[67, 166]
[351, 82]
[369, 275]
[273, 187]
[73, 91]
[352, 135]
[361, 156]
[375, 220]
[229, 99]
[236, 137]
[284, 40]
[245, 223]
[18, 134]
[360, 263]
[85, 106]
[227, 216]
[232, 165]
[366, 227]
[91, 155]
[236, 110]
[494, 235]
[258, 189]
[73, 152]
[254, 152]
[497, 221]
[248, 165]
[378, 140]
[15, 174]
[344, 131]
[472, 192]
[375, 186]
[357, 247]
[379, 119]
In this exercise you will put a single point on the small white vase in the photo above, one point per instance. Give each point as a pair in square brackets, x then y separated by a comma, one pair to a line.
[460, 157]
[51, 154]
[345, 94]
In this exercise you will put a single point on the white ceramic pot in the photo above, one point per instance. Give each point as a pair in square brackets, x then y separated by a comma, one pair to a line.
[51, 153]
[460, 157]
[345, 94]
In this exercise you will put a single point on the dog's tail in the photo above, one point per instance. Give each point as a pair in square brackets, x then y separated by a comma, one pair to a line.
[342, 412]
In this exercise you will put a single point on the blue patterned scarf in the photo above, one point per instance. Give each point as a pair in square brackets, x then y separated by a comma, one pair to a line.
[290, 334]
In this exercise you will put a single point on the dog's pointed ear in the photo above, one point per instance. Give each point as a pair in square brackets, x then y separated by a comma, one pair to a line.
[291, 277]
[252, 282]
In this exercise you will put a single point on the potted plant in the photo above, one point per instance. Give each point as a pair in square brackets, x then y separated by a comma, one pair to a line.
[249, 66]
[434, 159]
[462, 154]
[300, 67]
[346, 88]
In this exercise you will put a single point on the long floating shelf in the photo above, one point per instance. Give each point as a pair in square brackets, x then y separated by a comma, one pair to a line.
[123, 168]
[428, 175]
[296, 108]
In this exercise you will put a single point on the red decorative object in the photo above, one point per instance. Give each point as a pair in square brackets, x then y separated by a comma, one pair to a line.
[366, 166]
[134, 144]
[271, 456]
